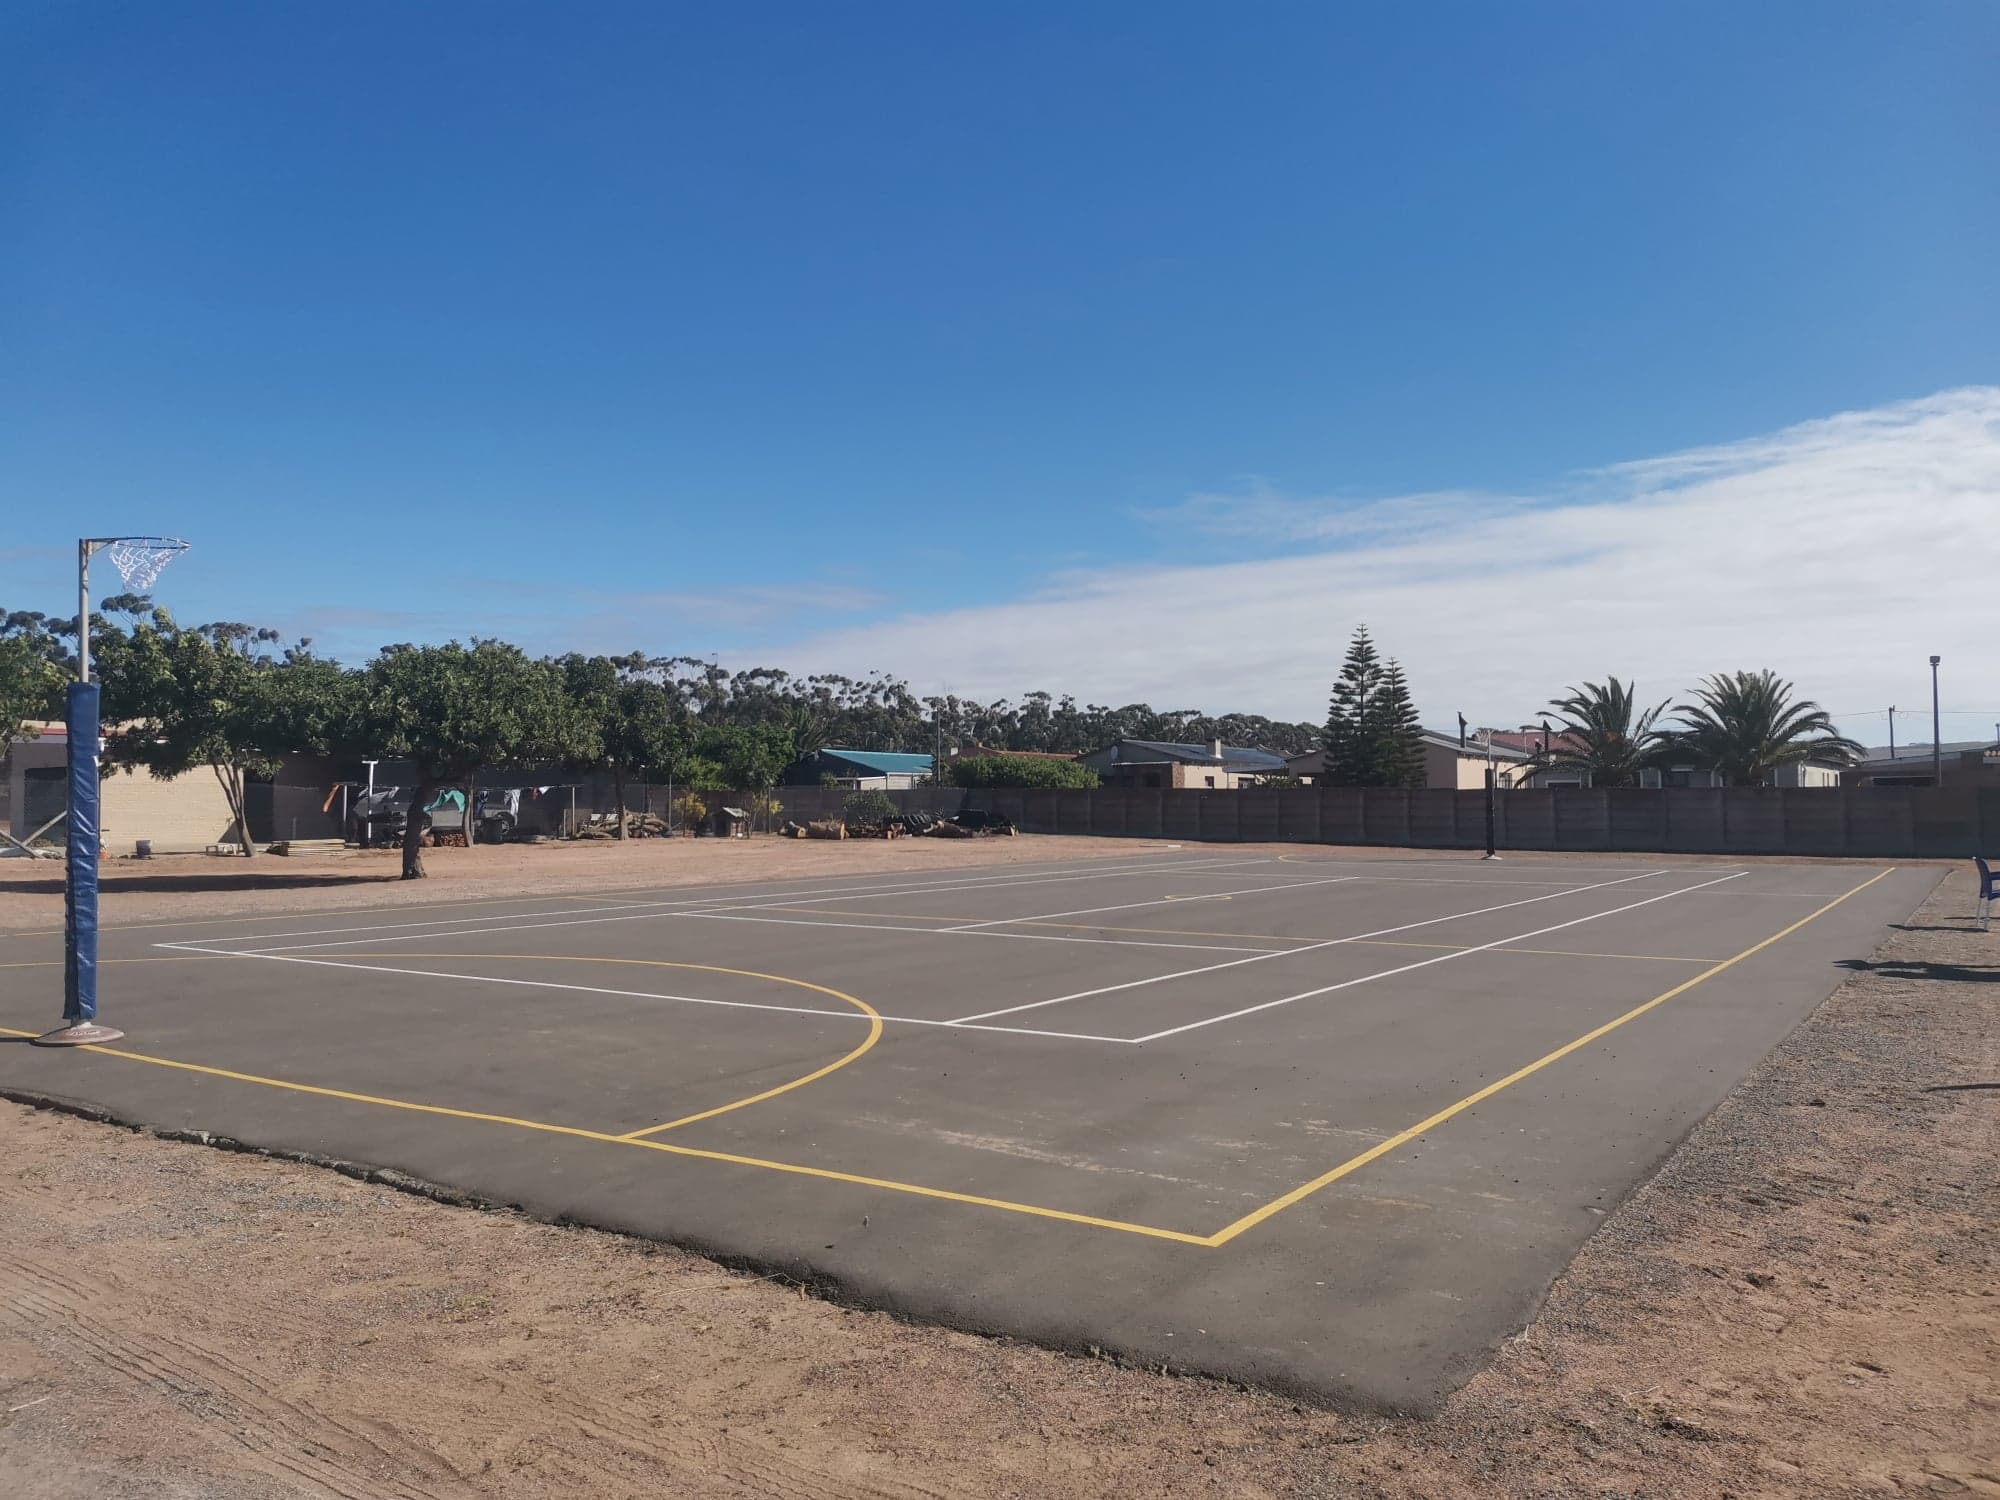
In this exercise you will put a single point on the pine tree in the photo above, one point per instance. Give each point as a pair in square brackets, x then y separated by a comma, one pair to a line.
[1399, 732]
[1351, 752]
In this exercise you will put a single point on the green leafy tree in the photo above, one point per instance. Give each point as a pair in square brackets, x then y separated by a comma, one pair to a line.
[33, 675]
[456, 709]
[594, 688]
[1019, 771]
[191, 696]
[867, 809]
[1603, 733]
[1745, 725]
[753, 759]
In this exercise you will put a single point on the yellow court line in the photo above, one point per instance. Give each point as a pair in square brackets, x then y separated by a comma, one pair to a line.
[867, 1043]
[580, 1133]
[1255, 937]
[1403, 1137]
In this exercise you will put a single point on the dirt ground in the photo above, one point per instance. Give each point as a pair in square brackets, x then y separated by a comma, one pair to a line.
[1804, 1302]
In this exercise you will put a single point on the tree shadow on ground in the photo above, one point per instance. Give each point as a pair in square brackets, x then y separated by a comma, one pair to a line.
[240, 880]
[1903, 968]
[1959, 1088]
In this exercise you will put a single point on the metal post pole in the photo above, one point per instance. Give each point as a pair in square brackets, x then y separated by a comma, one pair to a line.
[1491, 851]
[83, 611]
[1937, 741]
[1892, 731]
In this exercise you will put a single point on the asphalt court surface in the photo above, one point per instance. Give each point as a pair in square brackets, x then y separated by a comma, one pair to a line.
[1327, 1124]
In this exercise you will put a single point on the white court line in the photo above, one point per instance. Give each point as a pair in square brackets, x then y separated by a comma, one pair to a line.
[1132, 984]
[588, 989]
[1425, 963]
[1206, 867]
[642, 909]
[1445, 880]
[978, 881]
[1033, 937]
[1091, 911]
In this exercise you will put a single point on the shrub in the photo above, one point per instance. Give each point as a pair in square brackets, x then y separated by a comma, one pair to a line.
[692, 812]
[869, 809]
[981, 771]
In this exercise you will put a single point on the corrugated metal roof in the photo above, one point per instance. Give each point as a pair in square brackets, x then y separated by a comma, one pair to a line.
[882, 762]
[1242, 756]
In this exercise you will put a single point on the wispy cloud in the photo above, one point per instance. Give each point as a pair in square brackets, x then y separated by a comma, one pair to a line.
[1261, 513]
[750, 605]
[1840, 552]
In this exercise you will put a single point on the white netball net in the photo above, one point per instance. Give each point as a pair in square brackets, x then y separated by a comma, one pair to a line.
[141, 559]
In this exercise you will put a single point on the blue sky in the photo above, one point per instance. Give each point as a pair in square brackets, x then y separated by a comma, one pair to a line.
[841, 335]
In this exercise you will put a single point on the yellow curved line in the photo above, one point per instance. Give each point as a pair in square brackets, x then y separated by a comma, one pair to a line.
[874, 1018]
[825, 1174]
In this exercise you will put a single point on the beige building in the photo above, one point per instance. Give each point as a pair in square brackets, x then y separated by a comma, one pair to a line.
[1447, 764]
[185, 813]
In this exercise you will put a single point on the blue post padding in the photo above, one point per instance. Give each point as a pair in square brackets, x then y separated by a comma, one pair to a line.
[80, 891]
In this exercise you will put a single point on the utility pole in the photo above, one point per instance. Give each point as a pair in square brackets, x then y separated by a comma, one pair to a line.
[1937, 740]
[1892, 731]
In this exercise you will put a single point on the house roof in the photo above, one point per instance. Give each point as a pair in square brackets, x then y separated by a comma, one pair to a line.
[1308, 758]
[1234, 757]
[1921, 750]
[1527, 742]
[1916, 759]
[880, 762]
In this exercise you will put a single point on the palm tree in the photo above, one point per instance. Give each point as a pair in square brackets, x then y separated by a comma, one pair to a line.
[1745, 725]
[1598, 734]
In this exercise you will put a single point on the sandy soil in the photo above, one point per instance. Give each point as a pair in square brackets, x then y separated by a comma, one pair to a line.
[1802, 1303]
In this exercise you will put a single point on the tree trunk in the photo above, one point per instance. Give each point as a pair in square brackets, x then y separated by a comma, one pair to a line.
[471, 813]
[413, 831]
[618, 786]
[231, 780]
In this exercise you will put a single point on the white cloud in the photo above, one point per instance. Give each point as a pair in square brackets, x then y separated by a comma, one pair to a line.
[1840, 552]
[749, 604]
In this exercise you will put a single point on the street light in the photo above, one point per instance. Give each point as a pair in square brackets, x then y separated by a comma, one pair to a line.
[1937, 743]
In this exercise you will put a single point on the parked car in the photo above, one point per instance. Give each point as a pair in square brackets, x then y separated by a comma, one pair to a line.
[380, 817]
